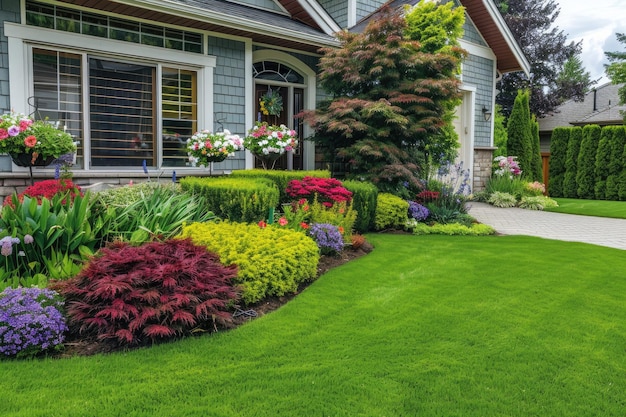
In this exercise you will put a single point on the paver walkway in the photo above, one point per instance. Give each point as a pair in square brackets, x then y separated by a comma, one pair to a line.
[569, 227]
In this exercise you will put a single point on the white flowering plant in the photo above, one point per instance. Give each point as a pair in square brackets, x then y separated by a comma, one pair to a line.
[205, 147]
[265, 139]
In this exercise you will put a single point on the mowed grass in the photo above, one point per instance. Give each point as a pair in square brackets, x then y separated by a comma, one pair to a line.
[422, 326]
[599, 208]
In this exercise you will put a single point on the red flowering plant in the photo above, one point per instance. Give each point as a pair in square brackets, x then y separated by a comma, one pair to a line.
[327, 190]
[47, 189]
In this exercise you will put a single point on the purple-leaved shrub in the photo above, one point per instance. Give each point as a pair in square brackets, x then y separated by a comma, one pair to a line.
[30, 321]
[328, 238]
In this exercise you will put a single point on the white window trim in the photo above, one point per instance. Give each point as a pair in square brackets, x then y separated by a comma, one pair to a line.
[22, 38]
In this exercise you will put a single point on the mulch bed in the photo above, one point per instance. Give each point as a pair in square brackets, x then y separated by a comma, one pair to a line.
[77, 346]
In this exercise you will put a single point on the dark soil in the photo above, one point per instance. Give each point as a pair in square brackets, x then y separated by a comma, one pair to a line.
[76, 346]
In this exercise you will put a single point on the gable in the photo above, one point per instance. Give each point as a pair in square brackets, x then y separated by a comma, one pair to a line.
[263, 5]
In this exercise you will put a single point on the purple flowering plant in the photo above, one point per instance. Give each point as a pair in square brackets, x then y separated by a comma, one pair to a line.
[328, 238]
[418, 211]
[30, 321]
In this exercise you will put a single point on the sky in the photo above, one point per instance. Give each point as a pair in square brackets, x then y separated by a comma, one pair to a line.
[595, 22]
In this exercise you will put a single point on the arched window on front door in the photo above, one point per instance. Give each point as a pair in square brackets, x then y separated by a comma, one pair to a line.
[290, 86]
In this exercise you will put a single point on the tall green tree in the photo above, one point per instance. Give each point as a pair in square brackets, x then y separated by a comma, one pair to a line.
[570, 187]
[533, 25]
[617, 164]
[499, 133]
[617, 69]
[535, 156]
[389, 102]
[519, 134]
[572, 78]
[603, 159]
[558, 153]
[585, 175]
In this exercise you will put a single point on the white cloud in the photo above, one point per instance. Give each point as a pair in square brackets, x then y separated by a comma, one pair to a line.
[595, 23]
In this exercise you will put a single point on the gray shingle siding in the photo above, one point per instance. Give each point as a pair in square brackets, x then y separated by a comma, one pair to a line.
[338, 10]
[365, 7]
[9, 12]
[478, 72]
[229, 92]
[471, 34]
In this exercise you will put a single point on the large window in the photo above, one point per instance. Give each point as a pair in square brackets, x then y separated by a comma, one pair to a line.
[122, 113]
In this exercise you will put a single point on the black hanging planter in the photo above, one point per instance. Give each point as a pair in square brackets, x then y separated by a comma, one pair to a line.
[26, 160]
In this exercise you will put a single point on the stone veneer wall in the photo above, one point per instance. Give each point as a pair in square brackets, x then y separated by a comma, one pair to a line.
[483, 158]
[11, 182]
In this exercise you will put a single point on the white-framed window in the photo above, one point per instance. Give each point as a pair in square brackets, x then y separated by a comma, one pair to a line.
[122, 108]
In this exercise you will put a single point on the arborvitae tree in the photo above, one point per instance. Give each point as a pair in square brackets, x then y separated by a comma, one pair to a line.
[617, 69]
[499, 133]
[586, 177]
[622, 179]
[386, 92]
[519, 135]
[603, 158]
[535, 156]
[570, 187]
[617, 165]
[558, 153]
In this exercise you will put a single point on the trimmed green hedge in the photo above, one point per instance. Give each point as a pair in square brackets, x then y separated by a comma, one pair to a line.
[235, 199]
[453, 229]
[280, 178]
[391, 212]
[271, 260]
[364, 201]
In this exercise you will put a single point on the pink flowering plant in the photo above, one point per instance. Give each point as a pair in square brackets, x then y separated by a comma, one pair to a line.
[205, 147]
[535, 188]
[21, 134]
[267, 140]
[507, 165]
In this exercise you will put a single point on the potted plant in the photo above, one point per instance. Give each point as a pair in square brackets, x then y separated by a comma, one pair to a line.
[33, 142]
[268, 142]
[204, 147]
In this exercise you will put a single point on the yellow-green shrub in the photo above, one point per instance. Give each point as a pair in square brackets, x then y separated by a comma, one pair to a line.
[271, 260]
[452, 229]
[280, 178]
[364, 197]
[391, 212]
[236, 199]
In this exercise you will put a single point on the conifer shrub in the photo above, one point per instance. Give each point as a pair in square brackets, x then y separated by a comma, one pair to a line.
[586, 164]
[271, 260]
[280, 178]
[391, 212]
[364, 200]
[603, 159]
[570, 188]
[558, 154]
[233, 198]
[131, 295]
[617, 164]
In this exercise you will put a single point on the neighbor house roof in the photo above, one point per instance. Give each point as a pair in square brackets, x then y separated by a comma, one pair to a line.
[489, 23]
[600, 106]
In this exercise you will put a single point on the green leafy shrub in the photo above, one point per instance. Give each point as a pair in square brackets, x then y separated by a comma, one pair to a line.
[271, 260]
[452, 229]
[233, 198]
[391, 212]
[133, 294]
[140, 214]
[54, 238]
[280, 178]
[537, 202]
[364, 200]
[500, 199]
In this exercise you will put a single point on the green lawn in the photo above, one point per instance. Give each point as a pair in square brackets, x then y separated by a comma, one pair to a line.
[422, 326]
[599, 208]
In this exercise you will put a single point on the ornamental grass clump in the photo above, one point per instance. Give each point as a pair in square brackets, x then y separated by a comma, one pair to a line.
[131, 295]
[30, 321]
[328, 238]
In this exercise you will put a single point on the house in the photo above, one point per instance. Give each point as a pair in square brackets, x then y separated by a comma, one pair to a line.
[600, 107]
[132, 79]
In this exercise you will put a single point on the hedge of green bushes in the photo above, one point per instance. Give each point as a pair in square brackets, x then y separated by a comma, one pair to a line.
[280, 178]
[235, 198]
